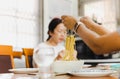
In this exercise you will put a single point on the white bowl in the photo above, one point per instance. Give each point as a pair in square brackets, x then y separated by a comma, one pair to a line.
[67, 66]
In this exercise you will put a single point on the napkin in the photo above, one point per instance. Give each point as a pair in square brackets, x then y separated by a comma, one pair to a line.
[6, 75]
[27, 78]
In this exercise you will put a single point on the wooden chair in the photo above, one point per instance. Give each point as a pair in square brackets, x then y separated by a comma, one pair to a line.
[28, 52]
[6, 58]
[17, 54]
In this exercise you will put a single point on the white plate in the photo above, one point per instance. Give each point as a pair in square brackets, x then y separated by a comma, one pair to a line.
[24, 70]
[86, 65]
[92, 72]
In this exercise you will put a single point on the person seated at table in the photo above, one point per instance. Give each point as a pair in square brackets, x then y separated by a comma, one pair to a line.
[57, 34]
[99, 39]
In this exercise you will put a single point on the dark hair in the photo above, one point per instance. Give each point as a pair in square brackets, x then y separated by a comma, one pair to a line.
[52, 25]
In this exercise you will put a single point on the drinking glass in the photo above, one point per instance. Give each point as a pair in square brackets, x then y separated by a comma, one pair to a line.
[44, 58]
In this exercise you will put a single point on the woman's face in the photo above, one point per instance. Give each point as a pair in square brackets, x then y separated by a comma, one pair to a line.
[59, 33]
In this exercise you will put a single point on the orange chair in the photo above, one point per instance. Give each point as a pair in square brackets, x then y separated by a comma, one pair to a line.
[6, 58]
[17, 54]
[28, 52]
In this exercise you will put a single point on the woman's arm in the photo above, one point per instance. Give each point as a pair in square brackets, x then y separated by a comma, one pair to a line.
[62, 54]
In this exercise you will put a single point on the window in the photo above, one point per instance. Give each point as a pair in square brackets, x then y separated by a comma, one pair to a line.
[102, 10]
[19, 22]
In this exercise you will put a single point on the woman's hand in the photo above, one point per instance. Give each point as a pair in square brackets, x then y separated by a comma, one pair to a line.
[62, 54]
[69, 21]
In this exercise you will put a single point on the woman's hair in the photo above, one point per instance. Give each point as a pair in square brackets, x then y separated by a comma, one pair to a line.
[52, 25]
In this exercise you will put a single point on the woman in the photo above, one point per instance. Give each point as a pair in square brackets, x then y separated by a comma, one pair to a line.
[57, 33]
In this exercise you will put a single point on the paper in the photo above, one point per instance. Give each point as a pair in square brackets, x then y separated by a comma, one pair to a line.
[6, 76]
[24, 78]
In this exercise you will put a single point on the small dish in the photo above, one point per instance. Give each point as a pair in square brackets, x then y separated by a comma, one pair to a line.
[24, 70]
[86, 65]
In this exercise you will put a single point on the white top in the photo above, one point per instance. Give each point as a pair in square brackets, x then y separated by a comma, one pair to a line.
[57, 48]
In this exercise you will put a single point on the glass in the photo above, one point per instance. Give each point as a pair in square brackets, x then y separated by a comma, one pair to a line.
[44, 58]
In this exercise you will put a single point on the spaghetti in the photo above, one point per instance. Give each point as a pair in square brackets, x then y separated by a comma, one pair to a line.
[69, 45]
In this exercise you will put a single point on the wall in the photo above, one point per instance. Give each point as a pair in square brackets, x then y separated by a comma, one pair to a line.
[55, 8]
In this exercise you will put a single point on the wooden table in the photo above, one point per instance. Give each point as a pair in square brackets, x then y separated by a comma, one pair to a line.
[67, 77]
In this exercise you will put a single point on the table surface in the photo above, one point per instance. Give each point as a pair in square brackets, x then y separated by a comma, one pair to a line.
[115, 75]
[66, 77]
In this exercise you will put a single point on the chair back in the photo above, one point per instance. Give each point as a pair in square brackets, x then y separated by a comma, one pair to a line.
[28, 52]
[17, 54]
[6, 58]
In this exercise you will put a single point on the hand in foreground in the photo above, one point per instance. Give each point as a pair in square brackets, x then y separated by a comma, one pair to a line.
[88, 22]
[69, 21]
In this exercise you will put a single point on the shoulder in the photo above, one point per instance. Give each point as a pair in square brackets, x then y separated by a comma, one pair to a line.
[42, 44]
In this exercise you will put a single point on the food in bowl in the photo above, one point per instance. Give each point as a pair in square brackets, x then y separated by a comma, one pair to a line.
[67, 66]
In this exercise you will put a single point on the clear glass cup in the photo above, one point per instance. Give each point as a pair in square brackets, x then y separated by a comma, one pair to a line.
[44, 58]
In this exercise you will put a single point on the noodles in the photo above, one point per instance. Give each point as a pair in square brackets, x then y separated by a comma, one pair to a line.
[69, 45]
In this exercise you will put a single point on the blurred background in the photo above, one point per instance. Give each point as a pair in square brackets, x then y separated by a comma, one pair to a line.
[24, 23]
